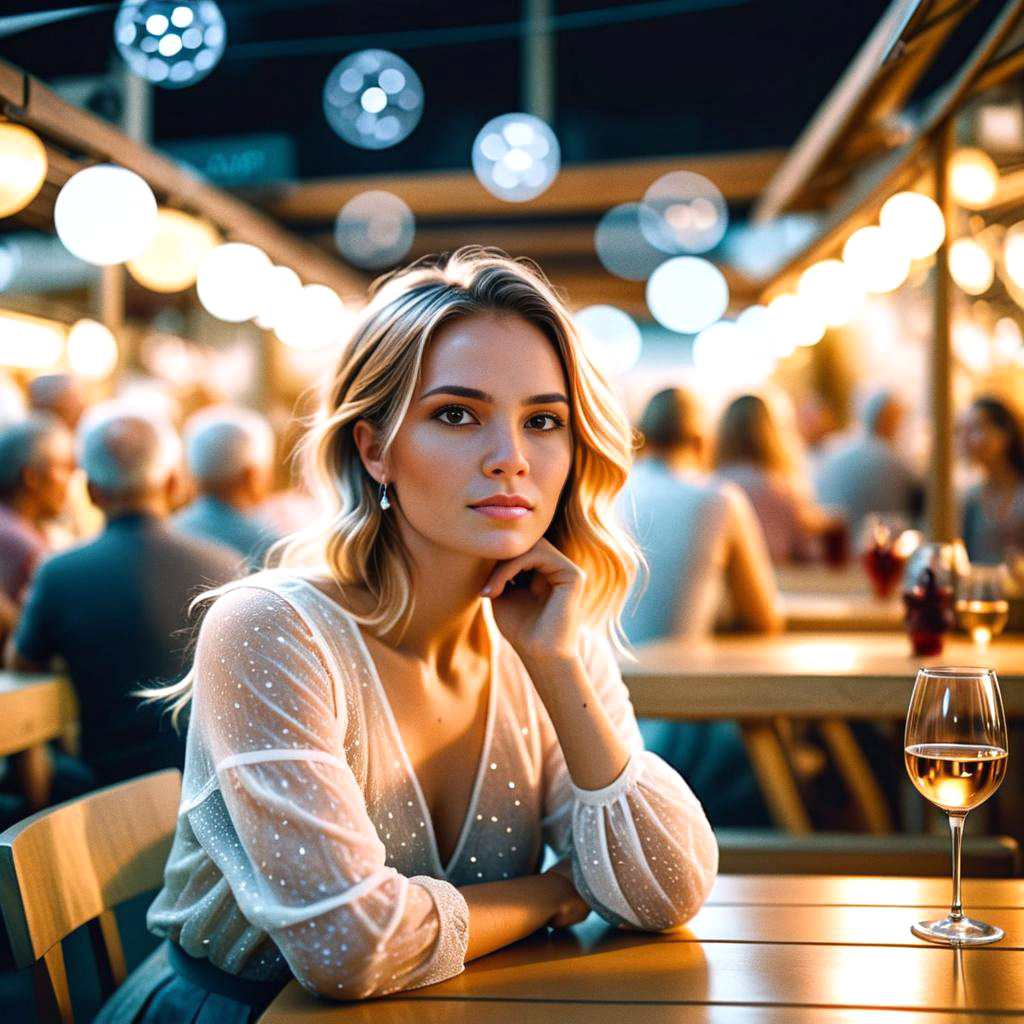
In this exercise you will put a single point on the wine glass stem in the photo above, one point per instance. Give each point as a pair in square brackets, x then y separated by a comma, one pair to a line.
[956, 828]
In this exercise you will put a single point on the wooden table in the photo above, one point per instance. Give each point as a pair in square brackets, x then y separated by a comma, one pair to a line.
[763, 950]
[821, 676]
[819, 598]
[34, 708]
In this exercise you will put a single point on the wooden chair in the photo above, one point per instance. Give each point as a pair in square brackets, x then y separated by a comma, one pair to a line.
[71, 865]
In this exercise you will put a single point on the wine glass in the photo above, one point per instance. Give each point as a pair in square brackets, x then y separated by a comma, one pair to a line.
[955, 753]
[981, 606]
[881, 553]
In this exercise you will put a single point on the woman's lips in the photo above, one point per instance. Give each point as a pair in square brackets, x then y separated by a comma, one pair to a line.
[502, 511]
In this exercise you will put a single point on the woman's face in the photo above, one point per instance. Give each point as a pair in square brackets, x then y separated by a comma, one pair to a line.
[982, 441]
[489, 419]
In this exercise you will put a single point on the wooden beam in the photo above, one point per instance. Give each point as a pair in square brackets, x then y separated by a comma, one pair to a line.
[581, 189]
[30, 102]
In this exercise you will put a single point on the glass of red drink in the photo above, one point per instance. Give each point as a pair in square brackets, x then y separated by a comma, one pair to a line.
[881, 552]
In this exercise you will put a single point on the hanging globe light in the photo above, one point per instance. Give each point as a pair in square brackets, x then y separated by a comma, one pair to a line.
[374, 229]
[684, 212]
[22, 167]
[373, 99]
[171, 43]
[516, 157]
[105, 215]
[914, 222]
[876, 264]
[1013, 253]
[831, 291]
[171, 261]
[973, 177]
[230, 281]
[687, 294]
[281, 287]
[314, 319]
[611, 337]
[793, 324]
[92, 349]
[971, 266]
[727, 352]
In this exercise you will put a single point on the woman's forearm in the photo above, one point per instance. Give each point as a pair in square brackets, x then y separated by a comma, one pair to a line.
[504, 912]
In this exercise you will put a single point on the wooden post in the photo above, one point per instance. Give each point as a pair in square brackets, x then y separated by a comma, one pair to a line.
[939, 503]
[537, 65]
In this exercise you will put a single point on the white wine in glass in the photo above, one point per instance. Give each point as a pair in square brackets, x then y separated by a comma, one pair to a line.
[955, 751]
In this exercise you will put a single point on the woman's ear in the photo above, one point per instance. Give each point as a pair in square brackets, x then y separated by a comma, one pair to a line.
[367, 442]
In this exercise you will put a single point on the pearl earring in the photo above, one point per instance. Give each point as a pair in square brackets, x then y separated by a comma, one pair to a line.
[382, 497]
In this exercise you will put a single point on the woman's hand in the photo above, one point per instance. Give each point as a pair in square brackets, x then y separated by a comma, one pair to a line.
[573, 908]
[541, 618]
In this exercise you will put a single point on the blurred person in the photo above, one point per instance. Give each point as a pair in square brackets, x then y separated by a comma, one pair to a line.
[63, 395]
[701, 540]
[699, 535]
[229, 452]
[114, 608]
[867, 473]
[36, 462]
[750, 452]
[992, 439]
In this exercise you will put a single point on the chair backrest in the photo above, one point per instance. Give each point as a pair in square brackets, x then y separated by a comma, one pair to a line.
[70, 865]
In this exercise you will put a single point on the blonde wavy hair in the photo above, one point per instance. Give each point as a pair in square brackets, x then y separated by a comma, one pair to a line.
[375, 380]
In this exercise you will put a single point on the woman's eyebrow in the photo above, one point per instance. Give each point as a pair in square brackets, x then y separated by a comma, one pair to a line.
[483, 396]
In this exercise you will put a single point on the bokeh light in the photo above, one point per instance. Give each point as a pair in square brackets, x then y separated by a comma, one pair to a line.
[971, 266]
[684, 212]
[876, 264]
[728, 352]
[171, 261]
[611, 337]
[105, 214]
[281, 288]
[1013, 254]
[793, 324]
[231, 279]
[171, 43]
[92, 349]
[973, 177]
[314, 319]
[687, 294]
[831, 291]
[516, 157]
[373, 99]
[374, 229]
[622, 247]
[29, 342]
[914, 222]
[10, 262]
[22, 167]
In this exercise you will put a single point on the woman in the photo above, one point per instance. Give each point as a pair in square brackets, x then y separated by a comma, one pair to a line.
[993, 516]
[385, 731]
[750, 452]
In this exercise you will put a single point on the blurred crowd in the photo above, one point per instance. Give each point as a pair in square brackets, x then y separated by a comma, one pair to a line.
[113, 518]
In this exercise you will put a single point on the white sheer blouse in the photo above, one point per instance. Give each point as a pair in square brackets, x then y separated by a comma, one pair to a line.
[303, 839]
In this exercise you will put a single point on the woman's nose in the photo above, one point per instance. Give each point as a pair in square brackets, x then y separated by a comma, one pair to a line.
[506, 456]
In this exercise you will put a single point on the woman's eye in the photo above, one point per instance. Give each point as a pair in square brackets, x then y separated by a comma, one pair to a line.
[454, 415]
[545, 421]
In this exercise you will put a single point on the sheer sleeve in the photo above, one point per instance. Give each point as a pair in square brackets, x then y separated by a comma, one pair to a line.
[307, 865]
[643, 853]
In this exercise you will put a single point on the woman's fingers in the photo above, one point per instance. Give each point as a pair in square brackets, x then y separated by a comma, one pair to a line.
[543, 557]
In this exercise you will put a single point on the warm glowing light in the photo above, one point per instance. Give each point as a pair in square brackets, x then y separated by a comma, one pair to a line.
[28, 342]
[22, 167]
[727, 352]
[687, 294]
[792, 324]
[831, 291]
[826, 656]
[373, 99]
[230, 281]
[973, 178]
[281, 289]
[314, 319]
[1013, 254]
[611, 337]
[914, 222]
[92, 350]
[171, 261]
[516, 157]
[971, 266]
[876, 264]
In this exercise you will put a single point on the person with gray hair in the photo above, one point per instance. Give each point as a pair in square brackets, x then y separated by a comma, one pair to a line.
[36, 461]
[229, 452]
[867, 474]
[115, 608]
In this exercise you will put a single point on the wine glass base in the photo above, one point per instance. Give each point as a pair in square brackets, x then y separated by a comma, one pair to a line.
[957, 931]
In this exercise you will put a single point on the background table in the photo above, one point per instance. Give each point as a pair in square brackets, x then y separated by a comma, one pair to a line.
[785, 950]
[820, 598]
[34, 708]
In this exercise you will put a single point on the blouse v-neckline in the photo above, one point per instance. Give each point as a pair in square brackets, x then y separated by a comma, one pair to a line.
[396, 733]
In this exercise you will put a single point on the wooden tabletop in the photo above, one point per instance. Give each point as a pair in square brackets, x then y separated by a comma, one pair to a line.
[34, 708]
[802, 675]
[786, 950]
[822, 598]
